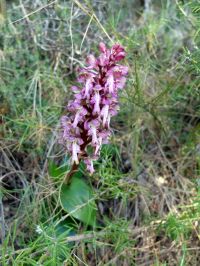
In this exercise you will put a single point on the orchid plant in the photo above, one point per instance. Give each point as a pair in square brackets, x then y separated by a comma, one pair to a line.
[87, 123]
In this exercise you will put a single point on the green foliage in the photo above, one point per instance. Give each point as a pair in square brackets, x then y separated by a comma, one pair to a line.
[120, 234]
[57, 172]
[175, 228]
[180, 226]
[78, 200]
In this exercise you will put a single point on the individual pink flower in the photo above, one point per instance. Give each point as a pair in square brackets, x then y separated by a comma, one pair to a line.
[89, 165]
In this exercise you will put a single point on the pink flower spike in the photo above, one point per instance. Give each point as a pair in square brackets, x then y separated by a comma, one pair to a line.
[95, 102]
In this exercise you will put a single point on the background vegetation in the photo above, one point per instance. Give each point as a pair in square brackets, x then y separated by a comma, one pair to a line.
[147, 183]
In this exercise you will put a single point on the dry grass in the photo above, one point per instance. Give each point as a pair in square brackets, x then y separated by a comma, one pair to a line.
[147, 181]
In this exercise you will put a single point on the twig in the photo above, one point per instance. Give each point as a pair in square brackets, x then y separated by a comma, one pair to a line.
[88, 12]
[28, 22]
[86, 31]
[2, 220]
[33, 12]
[71, 36]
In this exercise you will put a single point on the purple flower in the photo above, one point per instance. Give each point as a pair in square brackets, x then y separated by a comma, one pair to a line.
[89, 165]
[104, 114]
[95, 102]
[96, 99]
[75, 152]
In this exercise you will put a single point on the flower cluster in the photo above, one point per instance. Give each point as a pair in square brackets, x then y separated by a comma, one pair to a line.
[95, 102]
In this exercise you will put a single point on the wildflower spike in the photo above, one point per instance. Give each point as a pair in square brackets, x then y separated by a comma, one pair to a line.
[94, 103]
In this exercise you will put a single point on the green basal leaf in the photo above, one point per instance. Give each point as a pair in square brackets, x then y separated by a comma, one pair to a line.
[57, 171]
[77, 199]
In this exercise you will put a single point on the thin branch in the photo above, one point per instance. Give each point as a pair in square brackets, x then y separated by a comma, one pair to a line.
[2, 220]
[86, 31]
[71, 36]
[33, 12]
[88, 12]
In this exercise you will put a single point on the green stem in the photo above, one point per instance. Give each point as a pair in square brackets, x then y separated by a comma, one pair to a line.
[70, 173]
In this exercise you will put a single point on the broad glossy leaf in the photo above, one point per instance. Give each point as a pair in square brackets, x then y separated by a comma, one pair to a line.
[77, 199]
